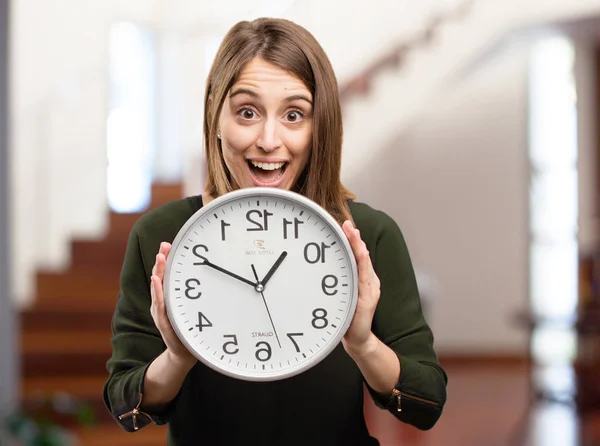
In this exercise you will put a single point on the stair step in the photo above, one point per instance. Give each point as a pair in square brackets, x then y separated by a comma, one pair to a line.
[63, 364]
[86, 386]
[111, 434]
[105, 255]
[80, 287]
[163, 193]
[96, 341]
[65, 336]
[120, 226]
[66, 320]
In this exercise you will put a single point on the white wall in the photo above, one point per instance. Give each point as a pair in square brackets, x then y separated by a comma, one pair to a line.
[58, 103]
[456, 181]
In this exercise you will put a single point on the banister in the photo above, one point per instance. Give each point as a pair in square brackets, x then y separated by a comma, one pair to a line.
[361, 83]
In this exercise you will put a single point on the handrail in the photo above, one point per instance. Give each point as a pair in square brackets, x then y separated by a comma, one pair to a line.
[361, 83]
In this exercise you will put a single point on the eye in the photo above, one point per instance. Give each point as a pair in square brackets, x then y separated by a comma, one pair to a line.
[247, 113]
[294, 116]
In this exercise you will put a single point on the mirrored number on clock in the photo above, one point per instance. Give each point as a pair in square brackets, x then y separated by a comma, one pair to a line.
[189, 288]
[296, 224]
[201, 322]
[263, 354]
[228, 345]
[320, 318]
[328, 287]
[200, 256]
[224, 224]
[315, 255]
[291, 336]
[259, 226]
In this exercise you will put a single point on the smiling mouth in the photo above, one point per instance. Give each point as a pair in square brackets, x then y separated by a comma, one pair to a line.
[267, 172]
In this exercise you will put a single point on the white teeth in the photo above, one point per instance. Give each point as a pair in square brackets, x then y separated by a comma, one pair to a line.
[267, 166]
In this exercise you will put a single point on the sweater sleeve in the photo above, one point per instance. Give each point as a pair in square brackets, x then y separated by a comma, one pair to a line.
[420, 394]
[136, 342]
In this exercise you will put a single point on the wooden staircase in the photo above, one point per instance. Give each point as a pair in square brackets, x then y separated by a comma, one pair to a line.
[65, 336]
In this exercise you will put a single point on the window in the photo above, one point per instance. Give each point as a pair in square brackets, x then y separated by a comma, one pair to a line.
[554, 246]
[553, 192]
[131, 124]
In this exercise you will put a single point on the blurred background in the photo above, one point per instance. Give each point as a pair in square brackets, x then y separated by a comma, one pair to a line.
[472, 123]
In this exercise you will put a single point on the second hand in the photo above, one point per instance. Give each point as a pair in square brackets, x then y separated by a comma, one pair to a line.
[266, 306]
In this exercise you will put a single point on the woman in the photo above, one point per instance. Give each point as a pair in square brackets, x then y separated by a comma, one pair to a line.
[273, 119]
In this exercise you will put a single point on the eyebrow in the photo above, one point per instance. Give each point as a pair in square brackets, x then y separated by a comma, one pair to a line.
[256, 95]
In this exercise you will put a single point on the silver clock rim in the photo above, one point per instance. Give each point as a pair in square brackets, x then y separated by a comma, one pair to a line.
[276, 193]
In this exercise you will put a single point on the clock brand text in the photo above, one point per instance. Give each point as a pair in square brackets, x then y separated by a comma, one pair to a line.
[250, 252]
[262, 334]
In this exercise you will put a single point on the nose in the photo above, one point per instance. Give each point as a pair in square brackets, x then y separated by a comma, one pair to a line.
[269, 139]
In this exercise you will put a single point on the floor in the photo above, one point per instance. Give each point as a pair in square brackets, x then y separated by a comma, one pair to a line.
[484, 407]
[487, 406]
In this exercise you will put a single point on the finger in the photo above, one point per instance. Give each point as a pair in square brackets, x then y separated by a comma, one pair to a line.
[158, 306]
[366, 271]
[152, 289]
[353, 236]
[159, 299]
[153, 296]
[364, 268]
[359, 248]
[160, 266]
[165, 248]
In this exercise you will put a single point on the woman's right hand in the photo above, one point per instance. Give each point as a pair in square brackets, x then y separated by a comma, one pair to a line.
[175, 347]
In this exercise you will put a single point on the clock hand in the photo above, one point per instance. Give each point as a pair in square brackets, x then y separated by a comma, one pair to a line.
[273, 269]
[206, 262]
[266, 306]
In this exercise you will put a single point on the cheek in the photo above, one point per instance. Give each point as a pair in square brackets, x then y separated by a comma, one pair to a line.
[299, 145]
[240, 138]
[235, 144]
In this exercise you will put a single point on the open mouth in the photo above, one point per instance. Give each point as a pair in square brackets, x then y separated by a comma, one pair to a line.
[267, 172]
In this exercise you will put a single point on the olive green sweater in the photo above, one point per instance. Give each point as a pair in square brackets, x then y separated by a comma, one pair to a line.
[322, 406]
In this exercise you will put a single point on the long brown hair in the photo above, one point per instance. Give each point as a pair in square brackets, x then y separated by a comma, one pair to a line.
[292, 48]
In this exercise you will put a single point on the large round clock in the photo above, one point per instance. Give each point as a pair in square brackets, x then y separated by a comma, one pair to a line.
[261, 284]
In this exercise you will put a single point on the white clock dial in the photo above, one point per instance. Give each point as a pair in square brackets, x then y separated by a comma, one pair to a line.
[261, 284]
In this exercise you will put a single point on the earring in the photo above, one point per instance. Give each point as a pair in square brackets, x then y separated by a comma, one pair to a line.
[218, 134]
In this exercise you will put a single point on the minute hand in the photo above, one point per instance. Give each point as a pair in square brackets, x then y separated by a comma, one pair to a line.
[229, 273]
[273, 268]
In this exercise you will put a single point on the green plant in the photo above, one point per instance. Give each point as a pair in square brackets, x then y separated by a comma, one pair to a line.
[47, 420]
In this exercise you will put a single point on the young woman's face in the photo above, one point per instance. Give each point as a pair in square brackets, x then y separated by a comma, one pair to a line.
[266, 127]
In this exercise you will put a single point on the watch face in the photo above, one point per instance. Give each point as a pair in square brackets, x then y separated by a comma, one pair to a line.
[261, 284]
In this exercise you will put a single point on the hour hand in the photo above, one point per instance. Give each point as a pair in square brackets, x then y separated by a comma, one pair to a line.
[207, 262]
[273, 269]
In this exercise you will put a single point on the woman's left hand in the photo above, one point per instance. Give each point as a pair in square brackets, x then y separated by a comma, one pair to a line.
[359, 339]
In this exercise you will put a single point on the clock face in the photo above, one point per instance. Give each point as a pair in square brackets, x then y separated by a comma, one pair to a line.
[261, 284]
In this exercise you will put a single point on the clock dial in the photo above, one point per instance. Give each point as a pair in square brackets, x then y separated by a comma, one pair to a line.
[261, 284]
